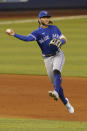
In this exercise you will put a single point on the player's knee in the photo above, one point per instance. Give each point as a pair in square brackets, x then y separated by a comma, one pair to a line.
[57, 72]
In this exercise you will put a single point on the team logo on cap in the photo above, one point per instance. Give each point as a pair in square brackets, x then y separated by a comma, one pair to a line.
[45, 12]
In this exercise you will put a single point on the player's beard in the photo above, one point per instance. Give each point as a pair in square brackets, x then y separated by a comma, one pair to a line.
[50, 22]
[42, 23]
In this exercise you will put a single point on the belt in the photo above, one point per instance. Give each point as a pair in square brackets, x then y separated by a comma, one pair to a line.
[49, 55]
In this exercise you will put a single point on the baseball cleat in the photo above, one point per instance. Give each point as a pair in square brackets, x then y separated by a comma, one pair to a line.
[69, 107]
[54, 94]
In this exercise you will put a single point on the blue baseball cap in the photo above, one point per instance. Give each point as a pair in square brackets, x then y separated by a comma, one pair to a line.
[44, 13]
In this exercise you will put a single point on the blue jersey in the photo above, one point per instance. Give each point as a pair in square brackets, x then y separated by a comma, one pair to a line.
[43, 36]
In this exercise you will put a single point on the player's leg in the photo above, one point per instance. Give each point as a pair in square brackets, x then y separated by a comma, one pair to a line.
[55, 77]
[58, 63]
[57, 85]
[49, 68]
[57, 67]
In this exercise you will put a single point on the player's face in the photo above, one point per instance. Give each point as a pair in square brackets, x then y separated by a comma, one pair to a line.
[44, 21]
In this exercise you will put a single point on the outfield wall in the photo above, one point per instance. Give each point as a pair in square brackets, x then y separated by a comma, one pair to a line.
[39, 4]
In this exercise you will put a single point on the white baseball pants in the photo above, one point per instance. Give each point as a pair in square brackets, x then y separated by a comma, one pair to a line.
[54, 62]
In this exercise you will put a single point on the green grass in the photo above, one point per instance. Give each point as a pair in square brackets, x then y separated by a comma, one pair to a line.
[19, 57]
[40, 125]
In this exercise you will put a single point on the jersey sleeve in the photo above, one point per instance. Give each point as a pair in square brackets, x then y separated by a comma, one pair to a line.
[24, 38]
[30, 37]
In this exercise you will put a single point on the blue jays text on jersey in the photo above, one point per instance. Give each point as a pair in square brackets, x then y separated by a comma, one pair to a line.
[43, 36]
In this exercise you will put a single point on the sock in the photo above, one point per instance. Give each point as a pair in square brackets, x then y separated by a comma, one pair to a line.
[57, 82]
[62, 97]
[57, 86]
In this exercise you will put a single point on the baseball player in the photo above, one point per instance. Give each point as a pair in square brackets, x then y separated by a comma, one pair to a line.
[50, 39]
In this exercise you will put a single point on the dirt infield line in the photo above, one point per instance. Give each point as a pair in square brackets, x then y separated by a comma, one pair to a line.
[35, 20]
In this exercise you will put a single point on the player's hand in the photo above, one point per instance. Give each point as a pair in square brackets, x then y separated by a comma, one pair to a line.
[10, 32]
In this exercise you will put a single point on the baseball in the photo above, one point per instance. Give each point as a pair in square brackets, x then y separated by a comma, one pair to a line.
[8, 30]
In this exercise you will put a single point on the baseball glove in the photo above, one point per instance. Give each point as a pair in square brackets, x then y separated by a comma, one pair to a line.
[56, 42]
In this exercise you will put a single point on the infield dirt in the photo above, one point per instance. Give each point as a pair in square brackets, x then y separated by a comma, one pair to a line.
[24, 96]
